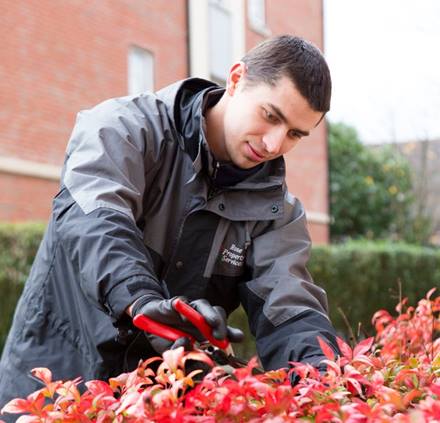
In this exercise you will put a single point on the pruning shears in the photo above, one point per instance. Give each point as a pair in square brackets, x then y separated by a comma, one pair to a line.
[219, 350]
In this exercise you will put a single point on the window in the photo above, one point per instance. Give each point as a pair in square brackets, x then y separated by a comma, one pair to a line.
[217, 37]
[140, 70]
[220, 40]
[257, 16]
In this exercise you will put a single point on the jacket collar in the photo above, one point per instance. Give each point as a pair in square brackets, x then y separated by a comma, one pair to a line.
[184, 101]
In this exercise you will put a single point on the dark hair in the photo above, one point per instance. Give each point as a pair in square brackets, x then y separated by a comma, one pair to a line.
[297, 59]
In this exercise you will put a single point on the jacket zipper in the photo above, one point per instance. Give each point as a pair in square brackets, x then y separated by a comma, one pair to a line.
[216, 168]
[212, 192]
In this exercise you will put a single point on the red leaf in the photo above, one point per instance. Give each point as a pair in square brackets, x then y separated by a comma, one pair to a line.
[354, 386]
[346, 351]
[363, 346]
[97, 387]
[326, 349]
[381, 317]
[28, 419]
[198, 356]
[173, 358]
[411, 395]
[15, 406]
[43, 374]
[332, 365]
[435, 389]
[430, 292]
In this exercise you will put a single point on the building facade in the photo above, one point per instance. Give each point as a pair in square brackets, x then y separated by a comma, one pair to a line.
[62, 57]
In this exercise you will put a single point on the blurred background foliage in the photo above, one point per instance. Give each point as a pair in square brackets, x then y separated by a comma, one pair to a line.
[18, 246]
[371, 192]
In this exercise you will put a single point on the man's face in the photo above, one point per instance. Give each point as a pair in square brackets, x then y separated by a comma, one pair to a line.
[262, 122]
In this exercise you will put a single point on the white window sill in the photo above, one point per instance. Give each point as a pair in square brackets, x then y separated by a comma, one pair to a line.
[261, 30]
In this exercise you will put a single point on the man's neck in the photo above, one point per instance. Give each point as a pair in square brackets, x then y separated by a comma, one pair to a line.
[215, 129]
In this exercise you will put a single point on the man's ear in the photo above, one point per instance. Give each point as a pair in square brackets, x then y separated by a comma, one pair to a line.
[236, 74]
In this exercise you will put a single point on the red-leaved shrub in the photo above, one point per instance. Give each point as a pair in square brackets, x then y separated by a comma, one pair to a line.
[394, 377]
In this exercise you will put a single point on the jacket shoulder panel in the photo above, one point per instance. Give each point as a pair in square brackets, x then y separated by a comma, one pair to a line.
[112, 148]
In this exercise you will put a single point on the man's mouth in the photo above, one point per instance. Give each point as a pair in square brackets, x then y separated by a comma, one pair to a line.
[255, 155]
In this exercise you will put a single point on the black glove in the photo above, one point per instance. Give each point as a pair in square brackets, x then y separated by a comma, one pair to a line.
[161, 310]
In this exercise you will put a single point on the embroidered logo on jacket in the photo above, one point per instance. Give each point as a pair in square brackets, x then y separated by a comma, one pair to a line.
[233, 256]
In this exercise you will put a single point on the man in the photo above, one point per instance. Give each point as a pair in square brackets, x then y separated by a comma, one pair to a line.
[181, 193]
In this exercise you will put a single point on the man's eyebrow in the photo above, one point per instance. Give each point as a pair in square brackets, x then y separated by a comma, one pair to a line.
[283, 118]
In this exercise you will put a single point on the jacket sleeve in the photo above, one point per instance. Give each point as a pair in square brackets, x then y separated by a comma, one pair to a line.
[286, 310]
[113, 151]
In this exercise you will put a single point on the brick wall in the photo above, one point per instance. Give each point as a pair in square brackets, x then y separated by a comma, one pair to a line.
[24, 198]
[62, 56]
[59, 57]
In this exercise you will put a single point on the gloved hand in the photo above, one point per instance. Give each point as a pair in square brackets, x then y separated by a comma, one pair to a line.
[162, 310]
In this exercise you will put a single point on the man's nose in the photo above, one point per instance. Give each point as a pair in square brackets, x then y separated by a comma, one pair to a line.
[273, 140]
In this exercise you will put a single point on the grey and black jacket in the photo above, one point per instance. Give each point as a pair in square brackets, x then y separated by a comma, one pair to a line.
[137, 211]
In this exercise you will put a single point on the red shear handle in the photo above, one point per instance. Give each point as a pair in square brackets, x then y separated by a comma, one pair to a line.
[160, 329]
[199, 322]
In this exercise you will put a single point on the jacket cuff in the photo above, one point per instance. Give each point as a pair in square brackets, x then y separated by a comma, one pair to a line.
[128, 291]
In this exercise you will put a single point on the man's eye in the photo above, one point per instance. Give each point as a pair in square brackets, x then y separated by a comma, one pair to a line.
[270, 116]
[294, 135]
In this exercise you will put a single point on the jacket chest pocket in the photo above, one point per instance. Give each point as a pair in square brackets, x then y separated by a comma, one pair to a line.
[183, 274]
[228, 252]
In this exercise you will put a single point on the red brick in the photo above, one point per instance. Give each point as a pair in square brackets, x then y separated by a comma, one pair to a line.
[25, 198]
[61, 57]
[319, 233]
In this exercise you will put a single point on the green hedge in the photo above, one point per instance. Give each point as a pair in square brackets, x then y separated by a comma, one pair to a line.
[18, 246]
[362, 277]
[359, 277]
